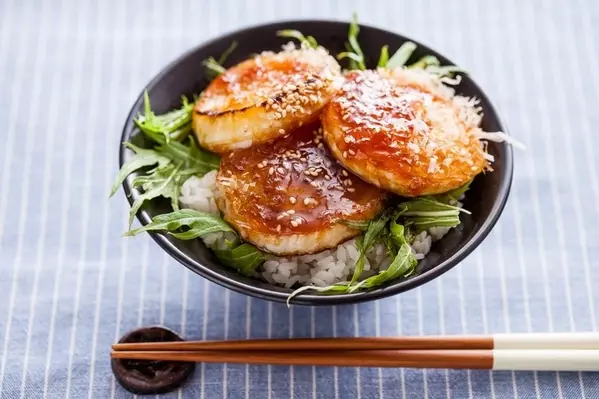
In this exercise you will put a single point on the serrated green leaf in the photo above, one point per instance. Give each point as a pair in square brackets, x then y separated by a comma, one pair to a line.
[161, 183]
[173, 125]
[201, 222]
[402, 264]
[373, 232]
[141, 159]
[190, 156]
[247, 258]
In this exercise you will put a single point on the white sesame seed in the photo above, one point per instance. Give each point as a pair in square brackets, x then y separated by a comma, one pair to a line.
[351, 190]
[271, 170]
[327, 177]
[278, 228]
[344, 154]
[344, 173]
[292, 200]
[281, 131]
[294, 223]
[281, 170]
[352, 152]
[321, 145]
[313, 183]
[290, 212]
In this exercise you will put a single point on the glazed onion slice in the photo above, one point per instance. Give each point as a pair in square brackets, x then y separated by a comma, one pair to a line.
[290, 197]
[405, 132]
[263, 98]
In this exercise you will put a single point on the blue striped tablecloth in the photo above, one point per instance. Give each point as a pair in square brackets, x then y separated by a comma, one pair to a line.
[70, 285]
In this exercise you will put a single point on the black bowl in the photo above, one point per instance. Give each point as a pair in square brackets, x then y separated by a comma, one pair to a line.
[486, 198]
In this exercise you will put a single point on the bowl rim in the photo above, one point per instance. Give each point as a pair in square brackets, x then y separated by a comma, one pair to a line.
[310, 299]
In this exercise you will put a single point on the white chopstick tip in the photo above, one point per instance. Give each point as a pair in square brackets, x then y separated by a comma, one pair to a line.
[546, 360]
[583, 340]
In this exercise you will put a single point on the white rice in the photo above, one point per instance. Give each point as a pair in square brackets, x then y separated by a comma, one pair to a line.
[321, 269]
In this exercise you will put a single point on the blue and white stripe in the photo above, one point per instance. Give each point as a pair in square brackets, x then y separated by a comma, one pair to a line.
[71, 285]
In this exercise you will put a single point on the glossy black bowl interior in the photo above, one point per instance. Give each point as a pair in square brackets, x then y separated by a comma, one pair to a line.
[184, 76]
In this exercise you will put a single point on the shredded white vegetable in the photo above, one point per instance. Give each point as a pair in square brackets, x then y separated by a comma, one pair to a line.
[488, 157]
[500, 137]
[449, 81]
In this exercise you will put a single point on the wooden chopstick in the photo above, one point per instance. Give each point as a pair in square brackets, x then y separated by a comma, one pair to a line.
[497, 341]
[497, 359]
[302, 344]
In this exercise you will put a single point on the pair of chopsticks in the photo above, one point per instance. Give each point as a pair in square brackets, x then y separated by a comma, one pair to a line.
[557, 352]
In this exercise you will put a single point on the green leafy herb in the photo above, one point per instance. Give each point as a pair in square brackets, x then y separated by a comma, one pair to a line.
[403, 263]
[188, 224]
[191, 156]
[431, 64]
[357, 224]
[173, 125]
[425, 62]
[451, 197]
[396, 228]
[141, 159]
[354, 52]
[372, 235]
[198, 223]
[424, 213]
[401, 56]
[175, 158]
[214, 67]
[246, 258]
[384, 57]
[307, 41]
[159, 182]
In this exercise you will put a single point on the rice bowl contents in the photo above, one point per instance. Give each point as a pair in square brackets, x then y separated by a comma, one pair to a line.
[321, 269]
[291, 196]
[317, 185]
[404, 131]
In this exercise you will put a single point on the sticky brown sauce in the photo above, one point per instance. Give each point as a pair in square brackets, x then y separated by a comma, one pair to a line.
[254, 80]
[294, 185]
[385, 125]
